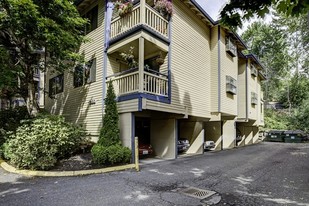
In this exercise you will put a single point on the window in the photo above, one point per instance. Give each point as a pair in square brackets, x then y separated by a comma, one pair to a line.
[254, 98]
[254, 71]
[56, 85]
[92, 16]
[230, 46]
[231, 85]
[84, 74]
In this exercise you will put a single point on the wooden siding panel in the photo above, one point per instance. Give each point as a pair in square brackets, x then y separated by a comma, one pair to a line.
[253, 87]
[241, 86]
[229, 66]
[214, 69]
[128, 106]
[74, 103]
[190, 62]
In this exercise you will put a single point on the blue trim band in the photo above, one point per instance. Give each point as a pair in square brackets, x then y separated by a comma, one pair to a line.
[142, 95]
[137, 29]
[140, 102]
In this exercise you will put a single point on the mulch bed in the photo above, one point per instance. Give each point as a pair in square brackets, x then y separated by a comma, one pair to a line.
[82, 161]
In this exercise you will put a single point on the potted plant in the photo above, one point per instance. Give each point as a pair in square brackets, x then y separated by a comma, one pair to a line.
[164, 7]
[160, 59]
[123, 8]
[129, 58]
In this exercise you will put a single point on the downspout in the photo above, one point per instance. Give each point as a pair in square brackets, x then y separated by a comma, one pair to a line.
[219, 83]
[246, 82]
[104, 73]
[219, 69]
[169, 61]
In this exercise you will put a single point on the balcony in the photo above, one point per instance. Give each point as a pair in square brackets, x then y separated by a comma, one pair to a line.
[142, 15]
[129, 82]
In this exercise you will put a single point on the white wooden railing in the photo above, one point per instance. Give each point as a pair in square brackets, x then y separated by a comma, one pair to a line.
[126, 84]
[155, 21]
[140, 15]
[122, 24]
[156, 84]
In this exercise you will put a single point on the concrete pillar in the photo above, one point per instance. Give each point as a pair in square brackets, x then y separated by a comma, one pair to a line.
[229, 134]
[126, 124]
[163, 138]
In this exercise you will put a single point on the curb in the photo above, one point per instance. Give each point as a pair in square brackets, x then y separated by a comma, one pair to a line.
[12, 169]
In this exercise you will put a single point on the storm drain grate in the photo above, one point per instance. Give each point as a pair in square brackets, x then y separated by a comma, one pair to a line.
[197, 193]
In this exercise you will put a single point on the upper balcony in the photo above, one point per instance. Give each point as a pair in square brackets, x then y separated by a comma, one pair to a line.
[144, 15]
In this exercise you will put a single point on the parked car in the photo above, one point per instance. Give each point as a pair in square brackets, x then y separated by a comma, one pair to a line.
[183, 145]
[209, 145]
[144, 149]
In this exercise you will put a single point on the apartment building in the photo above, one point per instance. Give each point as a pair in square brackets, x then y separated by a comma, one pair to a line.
[194, 91]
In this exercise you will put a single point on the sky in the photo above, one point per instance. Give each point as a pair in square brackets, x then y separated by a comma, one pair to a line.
[213, 8]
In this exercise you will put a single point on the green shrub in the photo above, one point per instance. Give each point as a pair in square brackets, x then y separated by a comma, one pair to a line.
[10, 120]
[110, 155]
[38, 143]
[99, 154]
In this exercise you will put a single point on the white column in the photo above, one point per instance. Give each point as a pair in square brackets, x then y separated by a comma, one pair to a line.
[141, 64]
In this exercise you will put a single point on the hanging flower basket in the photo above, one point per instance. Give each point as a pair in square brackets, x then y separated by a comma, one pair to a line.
[123, 8]
[160, 60]
[164, 7]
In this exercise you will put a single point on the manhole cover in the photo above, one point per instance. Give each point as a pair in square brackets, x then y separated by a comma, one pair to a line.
[197, 193]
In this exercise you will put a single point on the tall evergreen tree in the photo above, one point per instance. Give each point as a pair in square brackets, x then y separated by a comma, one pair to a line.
[110, 134]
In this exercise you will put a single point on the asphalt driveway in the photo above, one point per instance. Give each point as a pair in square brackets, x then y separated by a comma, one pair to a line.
[262, 174]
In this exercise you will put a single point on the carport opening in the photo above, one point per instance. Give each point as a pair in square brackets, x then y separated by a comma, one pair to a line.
[142, 131]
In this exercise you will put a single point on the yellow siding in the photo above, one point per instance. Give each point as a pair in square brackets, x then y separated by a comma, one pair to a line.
[190, 62]
[229, 66]
[73, 103]
[241, 87]
[214, 69]
[260, 103]
[128, 106]
[253, 87]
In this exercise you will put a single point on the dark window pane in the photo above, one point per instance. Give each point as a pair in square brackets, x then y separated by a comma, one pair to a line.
[92, 16]
[78, 76]
[56, 85]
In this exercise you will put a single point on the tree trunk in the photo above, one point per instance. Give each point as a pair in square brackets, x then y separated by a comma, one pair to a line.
[32, 105]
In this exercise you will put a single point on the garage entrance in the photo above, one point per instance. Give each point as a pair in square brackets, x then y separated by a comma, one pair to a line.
[142, 131]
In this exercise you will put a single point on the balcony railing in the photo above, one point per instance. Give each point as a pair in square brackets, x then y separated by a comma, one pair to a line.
[128, 83]
[142, 14]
